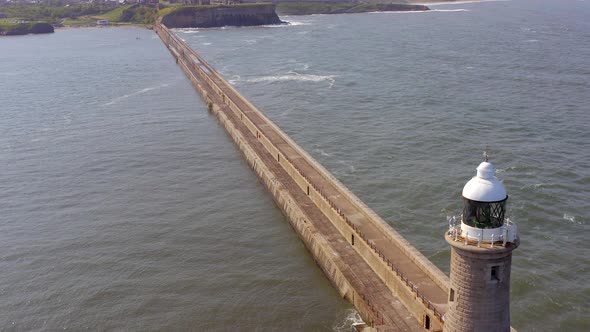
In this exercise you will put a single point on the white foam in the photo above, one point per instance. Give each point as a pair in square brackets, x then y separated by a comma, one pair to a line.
[294, 76]
[294, 23]
[187, 30]
[322, 152]
[459, 2]
[421, 11]
[450, 10]
[401, 12]
[273, 25]
[571, 218]
[234, 79]
[352, 317]
[138, 92]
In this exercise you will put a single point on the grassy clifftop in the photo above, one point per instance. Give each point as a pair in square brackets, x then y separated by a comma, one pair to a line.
[250, 14]
[308, 8]
[8, 28]
[81, 14]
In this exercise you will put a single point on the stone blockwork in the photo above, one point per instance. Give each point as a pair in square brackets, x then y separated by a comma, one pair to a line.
[479, 296]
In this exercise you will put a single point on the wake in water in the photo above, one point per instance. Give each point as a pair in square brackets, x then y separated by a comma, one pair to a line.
[138, 92]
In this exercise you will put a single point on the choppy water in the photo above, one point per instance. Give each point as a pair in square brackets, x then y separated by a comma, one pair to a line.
[126, 206]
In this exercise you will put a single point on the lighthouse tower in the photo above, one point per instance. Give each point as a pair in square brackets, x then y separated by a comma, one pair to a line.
[481, 255]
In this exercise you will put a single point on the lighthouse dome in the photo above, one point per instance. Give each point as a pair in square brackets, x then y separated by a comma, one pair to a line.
[485, 187]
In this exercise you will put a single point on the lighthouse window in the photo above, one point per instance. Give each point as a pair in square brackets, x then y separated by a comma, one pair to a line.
[495, 274]
[452, 295]
[484, 214]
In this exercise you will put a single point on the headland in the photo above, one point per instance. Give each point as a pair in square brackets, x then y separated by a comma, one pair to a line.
[209, 16]
[11, 28]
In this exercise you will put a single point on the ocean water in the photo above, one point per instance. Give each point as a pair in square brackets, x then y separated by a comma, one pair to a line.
[125, 206]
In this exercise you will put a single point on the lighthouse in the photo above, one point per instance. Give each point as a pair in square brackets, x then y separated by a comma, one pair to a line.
[481, 255]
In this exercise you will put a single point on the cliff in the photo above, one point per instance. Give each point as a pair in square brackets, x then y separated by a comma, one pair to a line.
[8, 29]
[311, 7]
[221, 15]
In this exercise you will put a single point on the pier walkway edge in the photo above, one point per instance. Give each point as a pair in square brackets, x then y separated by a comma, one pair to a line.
[390, 283]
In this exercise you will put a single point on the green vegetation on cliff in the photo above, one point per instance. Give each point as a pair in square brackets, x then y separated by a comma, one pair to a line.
[308, 8]
[52, 14]
[8, 27]
[208, 16]
[82, 14]
[191, 8]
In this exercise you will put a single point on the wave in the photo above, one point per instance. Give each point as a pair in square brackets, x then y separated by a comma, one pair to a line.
[450, 10]
[350, 320]
[459, 2]
[292, 76]
[295, 23]
[138, 92]
[421, 11]
[571, 218]
[234, 79]
[322, 152]
[186, 30]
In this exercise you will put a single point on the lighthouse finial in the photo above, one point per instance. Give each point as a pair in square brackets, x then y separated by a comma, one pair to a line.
[485, 156]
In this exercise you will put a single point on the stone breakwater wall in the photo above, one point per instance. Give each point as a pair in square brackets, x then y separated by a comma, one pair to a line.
[391, 284]
[222, 15]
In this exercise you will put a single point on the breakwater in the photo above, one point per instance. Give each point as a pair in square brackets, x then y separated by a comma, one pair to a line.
[391, 284]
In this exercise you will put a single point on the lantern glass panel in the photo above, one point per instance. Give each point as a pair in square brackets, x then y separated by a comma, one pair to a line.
[484, 214]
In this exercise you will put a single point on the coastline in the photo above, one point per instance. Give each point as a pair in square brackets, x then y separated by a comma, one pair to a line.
[459, 2]
[134, 25]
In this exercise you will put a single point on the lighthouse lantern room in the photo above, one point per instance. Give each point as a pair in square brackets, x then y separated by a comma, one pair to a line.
[484, 210]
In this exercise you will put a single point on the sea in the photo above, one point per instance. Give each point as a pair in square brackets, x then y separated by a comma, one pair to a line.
[125, 206]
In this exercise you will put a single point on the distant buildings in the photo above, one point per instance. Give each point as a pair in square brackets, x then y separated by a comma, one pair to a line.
[197, 2]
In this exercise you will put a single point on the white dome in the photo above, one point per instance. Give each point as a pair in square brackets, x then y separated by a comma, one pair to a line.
[485, 187]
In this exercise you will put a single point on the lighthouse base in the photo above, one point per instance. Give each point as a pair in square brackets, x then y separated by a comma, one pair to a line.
[479, 294]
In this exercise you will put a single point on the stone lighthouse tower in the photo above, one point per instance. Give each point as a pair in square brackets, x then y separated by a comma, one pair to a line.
[481, 254]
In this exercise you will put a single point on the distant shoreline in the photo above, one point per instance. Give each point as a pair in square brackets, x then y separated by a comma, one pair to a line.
[319, 7]
[75, 27]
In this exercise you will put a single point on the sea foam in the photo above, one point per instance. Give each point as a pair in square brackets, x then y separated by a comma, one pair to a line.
[288, 76]
[135, 93]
